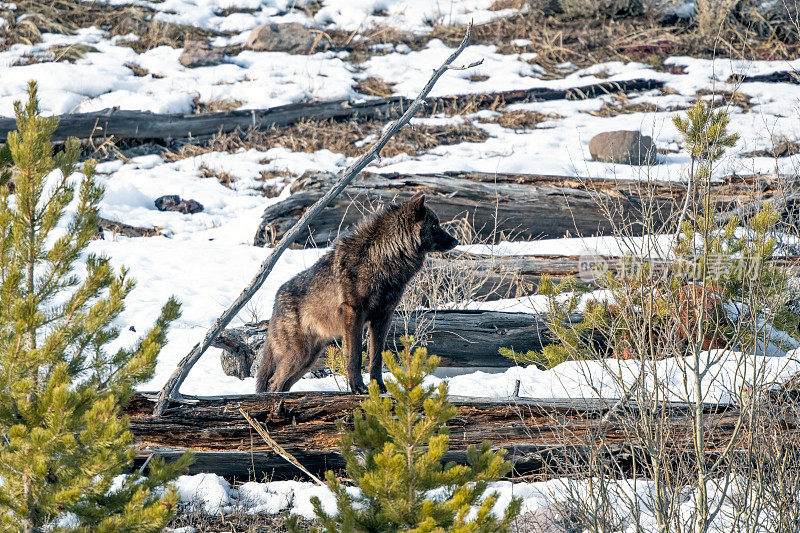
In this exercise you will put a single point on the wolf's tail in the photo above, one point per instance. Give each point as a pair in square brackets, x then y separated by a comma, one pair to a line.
[265, 369]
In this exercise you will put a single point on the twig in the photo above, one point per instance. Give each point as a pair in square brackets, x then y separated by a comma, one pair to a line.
[179, 375]
[277, 447]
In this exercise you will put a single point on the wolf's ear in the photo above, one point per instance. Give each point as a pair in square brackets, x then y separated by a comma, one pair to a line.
[417, 203]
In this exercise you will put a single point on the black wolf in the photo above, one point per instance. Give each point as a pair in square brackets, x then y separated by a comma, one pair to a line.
[360, 281]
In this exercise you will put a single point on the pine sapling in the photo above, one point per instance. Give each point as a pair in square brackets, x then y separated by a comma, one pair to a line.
[63, 439]
[394, 457]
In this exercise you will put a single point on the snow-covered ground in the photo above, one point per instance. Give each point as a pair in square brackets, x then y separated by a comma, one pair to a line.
[205, 259]
[626, 505]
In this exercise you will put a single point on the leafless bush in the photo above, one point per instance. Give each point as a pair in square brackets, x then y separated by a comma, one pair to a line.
[690, 327]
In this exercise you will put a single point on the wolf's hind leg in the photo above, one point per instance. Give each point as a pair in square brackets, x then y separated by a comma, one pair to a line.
[353, 334]
[378, 328]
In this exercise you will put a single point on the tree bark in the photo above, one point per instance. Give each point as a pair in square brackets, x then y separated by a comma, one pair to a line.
[544, 437]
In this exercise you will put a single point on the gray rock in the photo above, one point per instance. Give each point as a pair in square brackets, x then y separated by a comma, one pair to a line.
[625, 147]
[173, 202]
[291, 37]
[200, 54]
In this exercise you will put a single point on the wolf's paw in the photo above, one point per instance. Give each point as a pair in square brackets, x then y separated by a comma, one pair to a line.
[381, 386]
[358, 388]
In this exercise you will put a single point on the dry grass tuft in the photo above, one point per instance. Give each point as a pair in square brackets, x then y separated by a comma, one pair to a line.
[225, 178]
[478, 77]
[339, 137]
[140, 71]
[725, 98]
[621, 106]
[521, 120]
[215, 106]
[279, 180]
[71, 52]
[374, 87]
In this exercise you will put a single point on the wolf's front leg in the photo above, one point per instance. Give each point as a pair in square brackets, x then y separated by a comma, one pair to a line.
[354, 330]
[378, 328]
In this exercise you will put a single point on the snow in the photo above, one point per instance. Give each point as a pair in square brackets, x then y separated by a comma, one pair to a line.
[627, 503]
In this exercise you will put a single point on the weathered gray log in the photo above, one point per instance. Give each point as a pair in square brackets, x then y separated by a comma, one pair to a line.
[542, 436]
[499, 206]
[783, 76]
[459, 338]
[125, 124]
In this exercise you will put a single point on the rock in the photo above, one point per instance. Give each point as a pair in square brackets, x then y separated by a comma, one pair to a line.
[291, 37]
[173, 202]
[200, 54]
[626, 147]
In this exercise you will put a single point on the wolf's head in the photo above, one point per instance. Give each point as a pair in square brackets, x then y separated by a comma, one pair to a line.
[432, 237]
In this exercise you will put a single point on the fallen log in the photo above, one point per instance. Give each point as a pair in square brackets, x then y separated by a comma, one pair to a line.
[461, 338]
[783, 76]
[498, 206]
[126, 124]
[544, 437]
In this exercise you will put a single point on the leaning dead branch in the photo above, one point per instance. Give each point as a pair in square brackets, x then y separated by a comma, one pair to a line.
[179, 375]
[277, 447]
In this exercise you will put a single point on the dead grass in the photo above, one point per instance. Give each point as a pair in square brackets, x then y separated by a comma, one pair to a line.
[67, 16]
[724, 98]
[374, 87]
[279, 180]
[225, 178]
[238, 521]
[621, 106]
[139, 70]
[500, 5]
[215, 106]
[339, 137]
[521, 120]
[588, 40]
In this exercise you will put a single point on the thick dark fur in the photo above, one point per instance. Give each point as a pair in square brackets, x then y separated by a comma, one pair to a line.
[359, 282]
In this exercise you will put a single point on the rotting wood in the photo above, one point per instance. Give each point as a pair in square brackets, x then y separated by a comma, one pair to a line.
[498, 206]
[539, 434]
[126, 124]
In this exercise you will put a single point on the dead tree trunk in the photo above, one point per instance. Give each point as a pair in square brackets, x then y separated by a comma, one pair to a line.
[499, 206]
